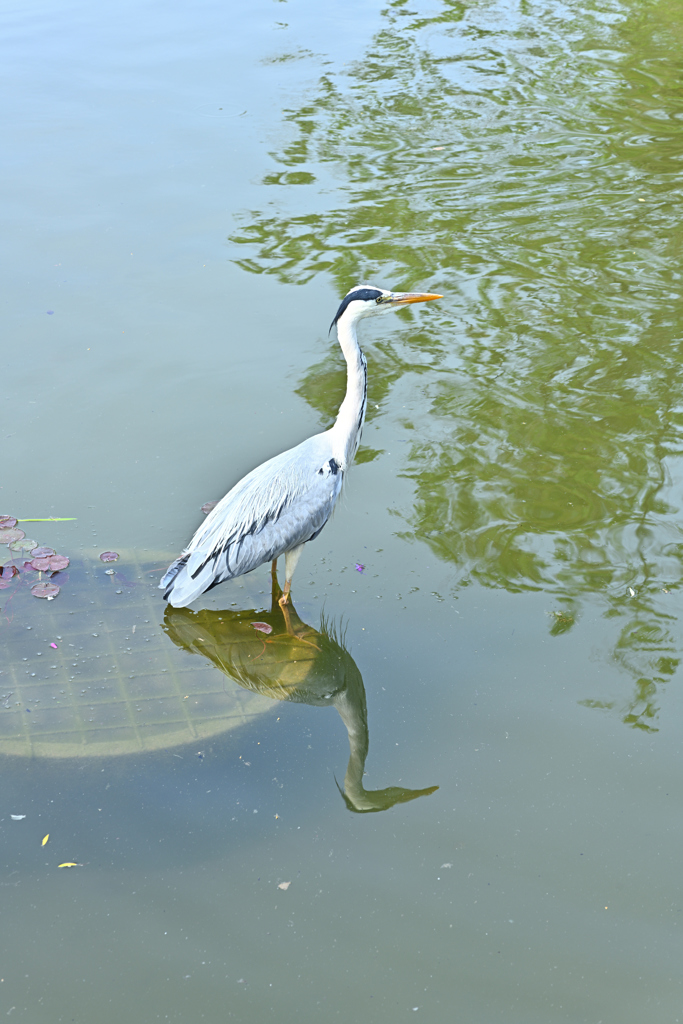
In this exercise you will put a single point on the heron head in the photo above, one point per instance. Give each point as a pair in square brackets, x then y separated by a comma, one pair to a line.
[367, 300]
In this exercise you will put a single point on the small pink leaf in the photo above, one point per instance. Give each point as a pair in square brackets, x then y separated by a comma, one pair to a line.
[208, 506]
[262, 627]
[109, 556]
[48, 590]
[9, 536]
[6, 522]
[42, 552]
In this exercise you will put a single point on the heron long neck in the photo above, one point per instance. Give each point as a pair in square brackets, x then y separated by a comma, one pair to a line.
[349, 423]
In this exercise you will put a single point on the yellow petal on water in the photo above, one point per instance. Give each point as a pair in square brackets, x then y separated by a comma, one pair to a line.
[284, 885]
[45, 839]
[69, 864]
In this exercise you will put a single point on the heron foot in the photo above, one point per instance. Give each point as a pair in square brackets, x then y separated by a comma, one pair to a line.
[287, 616]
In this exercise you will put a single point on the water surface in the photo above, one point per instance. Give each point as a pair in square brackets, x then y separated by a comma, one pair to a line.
[187, 194]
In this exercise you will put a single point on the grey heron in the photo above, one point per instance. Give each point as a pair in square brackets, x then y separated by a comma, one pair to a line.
[285, 502]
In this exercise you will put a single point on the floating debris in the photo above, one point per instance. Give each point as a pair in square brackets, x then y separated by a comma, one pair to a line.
[208, 506]
[284, 885]
[45, 839]
[17, 817]
[360, 567]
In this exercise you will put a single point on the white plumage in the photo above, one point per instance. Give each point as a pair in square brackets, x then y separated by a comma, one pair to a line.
[286, 501]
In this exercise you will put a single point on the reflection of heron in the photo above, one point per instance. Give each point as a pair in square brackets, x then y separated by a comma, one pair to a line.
[285, 502]
[317, 671]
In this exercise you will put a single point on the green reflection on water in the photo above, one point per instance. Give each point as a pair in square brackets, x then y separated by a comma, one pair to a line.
[525, 163]
[312, 666]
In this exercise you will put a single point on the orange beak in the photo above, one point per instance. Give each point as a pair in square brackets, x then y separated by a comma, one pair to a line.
[404, 298]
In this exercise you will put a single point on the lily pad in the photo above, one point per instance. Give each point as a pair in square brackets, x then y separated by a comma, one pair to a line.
[6, 522]
[8, 571]
[39, 564]
[23, 544]
[58, 562]
[48, 590]
[42, 552]
[109, 556]
[52, 562]
[9, 536]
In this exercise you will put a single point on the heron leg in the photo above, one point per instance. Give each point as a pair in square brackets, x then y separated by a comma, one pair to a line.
[291, 559]
[287, 617]
[275, 592]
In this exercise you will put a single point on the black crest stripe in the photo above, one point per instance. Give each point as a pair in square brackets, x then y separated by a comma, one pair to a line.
[364, 294]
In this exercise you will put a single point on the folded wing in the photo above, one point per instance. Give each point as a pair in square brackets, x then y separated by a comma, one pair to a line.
[278, 506]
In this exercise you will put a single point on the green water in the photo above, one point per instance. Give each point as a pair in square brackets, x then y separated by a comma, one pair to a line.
[187, 191]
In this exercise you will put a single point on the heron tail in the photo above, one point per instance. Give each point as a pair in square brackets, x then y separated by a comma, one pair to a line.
[168, 579]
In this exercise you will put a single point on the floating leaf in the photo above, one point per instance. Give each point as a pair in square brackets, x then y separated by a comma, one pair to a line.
[45, 839]
[208, 506]
[39, 564]
[48, 590]
[6, 522]
[55, 646]
[11, 535]
[7, 574]
[263, 627]
[69, 864]
[23, 544]
[284, 885]
[109, 556]
[58, 562]
[42, 552]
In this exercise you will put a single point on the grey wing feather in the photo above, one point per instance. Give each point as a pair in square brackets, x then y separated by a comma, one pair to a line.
[278, 506]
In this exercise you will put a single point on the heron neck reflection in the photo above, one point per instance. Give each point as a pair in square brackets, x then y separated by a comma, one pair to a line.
[312, 667]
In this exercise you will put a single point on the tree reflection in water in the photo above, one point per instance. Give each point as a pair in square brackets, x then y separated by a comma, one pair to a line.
[478, 151]
[312, 667]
